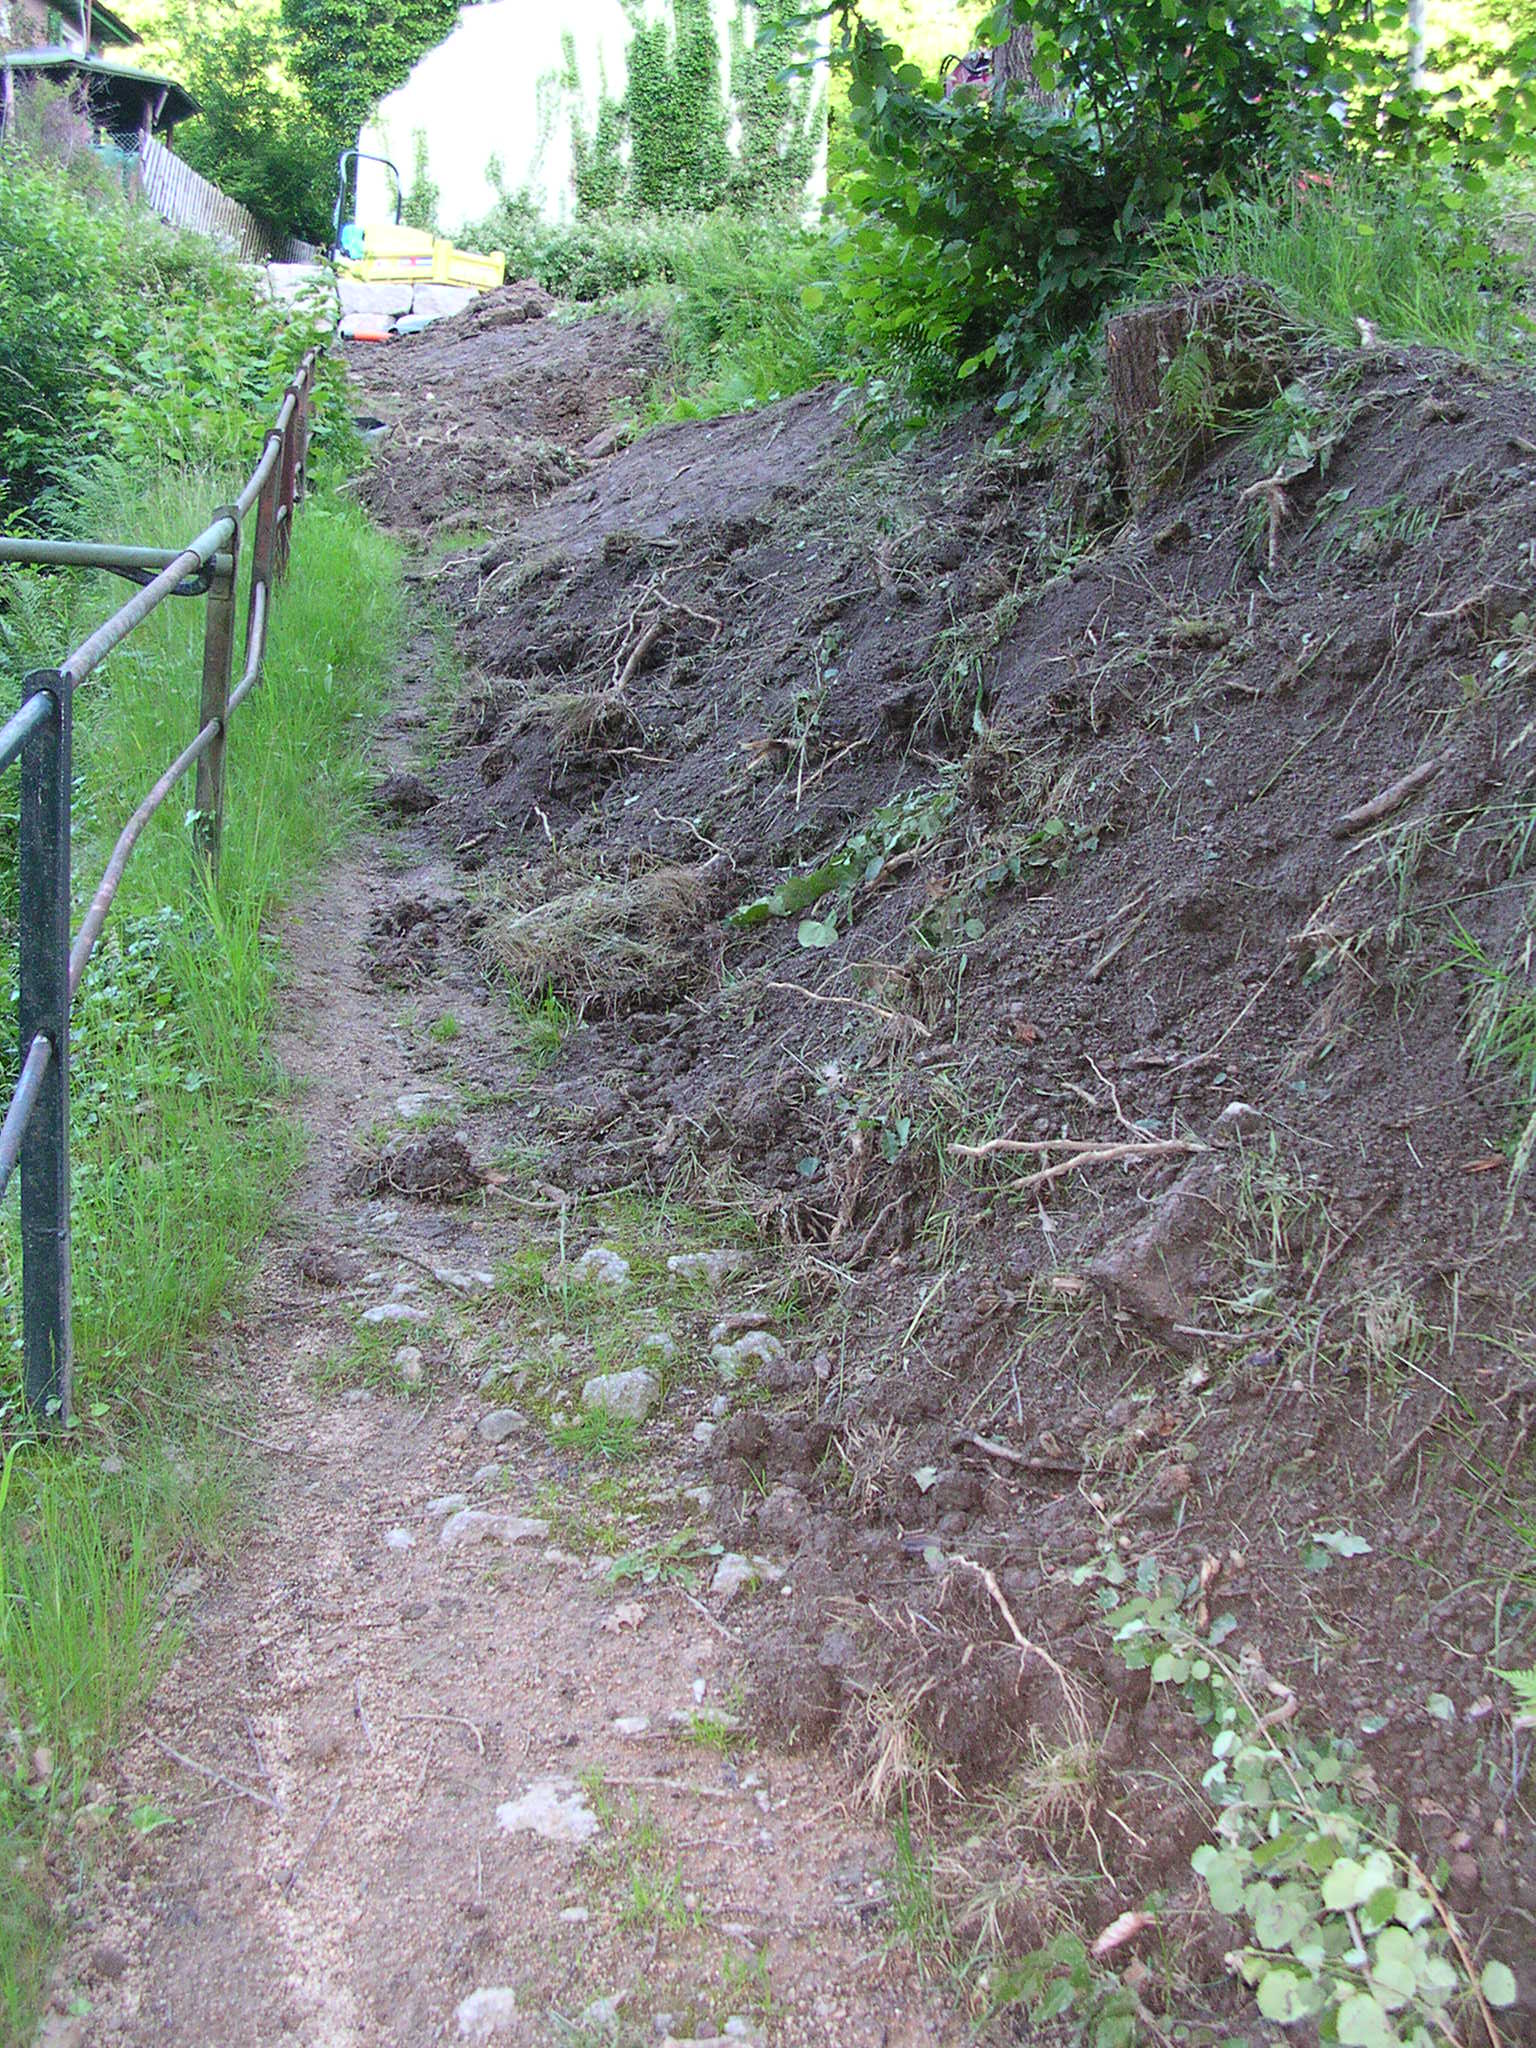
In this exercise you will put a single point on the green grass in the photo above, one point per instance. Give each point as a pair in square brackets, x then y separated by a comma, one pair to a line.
[181, 1142]
[740, 330]
[1386, 249]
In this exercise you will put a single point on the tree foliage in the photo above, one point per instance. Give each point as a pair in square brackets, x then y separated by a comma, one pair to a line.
[347, 54]
[255, 137]
[981, 226]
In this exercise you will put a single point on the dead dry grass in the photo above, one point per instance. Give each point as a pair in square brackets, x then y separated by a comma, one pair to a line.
[604, 943]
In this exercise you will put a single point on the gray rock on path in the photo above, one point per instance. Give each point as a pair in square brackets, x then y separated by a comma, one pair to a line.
[757, 1347]
[484, 1525]
[660, 1345]
[487, 2013]
[445, 1504]
[395, 1312]
[555, 1809]
[464, 1279]
[712, 1267]
[629, 1396]
[410, 1364]
[499, 1424]
[601, 1264]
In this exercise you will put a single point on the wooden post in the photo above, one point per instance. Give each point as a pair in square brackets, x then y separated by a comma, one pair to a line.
[218, 662]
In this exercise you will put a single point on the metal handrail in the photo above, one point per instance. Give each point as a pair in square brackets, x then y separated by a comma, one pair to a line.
[35, 1129]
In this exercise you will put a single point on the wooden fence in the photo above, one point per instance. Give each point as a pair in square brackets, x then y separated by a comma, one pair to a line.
[180, 196]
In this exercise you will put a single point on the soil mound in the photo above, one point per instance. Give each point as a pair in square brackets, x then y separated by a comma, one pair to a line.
[1096, 993]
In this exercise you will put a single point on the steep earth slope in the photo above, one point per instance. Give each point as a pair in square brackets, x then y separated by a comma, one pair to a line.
[1087, 957]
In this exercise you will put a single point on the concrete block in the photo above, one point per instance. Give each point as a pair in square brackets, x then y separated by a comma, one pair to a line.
[358, 297]
[287, 282]
[441, 299]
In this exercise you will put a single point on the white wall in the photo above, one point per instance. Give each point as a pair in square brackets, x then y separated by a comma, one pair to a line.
[491, 90]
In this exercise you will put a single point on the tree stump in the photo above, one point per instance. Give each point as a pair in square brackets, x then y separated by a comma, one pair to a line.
[1184, 370]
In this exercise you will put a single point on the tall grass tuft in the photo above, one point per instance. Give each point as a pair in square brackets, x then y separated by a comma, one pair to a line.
[1410, 256]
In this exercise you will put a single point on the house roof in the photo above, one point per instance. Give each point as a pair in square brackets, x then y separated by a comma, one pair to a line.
[117, 92]
[106, 27]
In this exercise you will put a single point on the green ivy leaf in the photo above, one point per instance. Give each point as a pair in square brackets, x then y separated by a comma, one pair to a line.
[1224, 1871]
[1362, 2023]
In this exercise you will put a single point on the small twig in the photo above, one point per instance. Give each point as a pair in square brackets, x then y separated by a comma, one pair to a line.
[1010, 1456]
[1112, 953]
[1483, 595]
[1105, 1155]
[1383, 805]
[313, 1843]
[1474, 1979]
[451, 1721]
[1205, 1058]
[261, 1763]
[667, 1785]
[216, 1777]
[357, 1701]
[811, 995]
[638, 652]
[728, 1635]
[1068, 1684]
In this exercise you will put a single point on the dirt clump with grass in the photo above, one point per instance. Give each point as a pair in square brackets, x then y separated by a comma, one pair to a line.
[1092, 949]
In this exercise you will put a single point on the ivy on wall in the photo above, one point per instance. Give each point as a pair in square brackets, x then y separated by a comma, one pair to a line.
[347, 54]
[665, 146]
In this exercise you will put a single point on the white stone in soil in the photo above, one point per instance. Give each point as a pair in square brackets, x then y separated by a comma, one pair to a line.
[720, 1407]
[400, 1539]
[482, 1525]
[404, 1289]
[445, 1504]
[575, 1916]
[660, 1345]
[464, 1279]
[732, 1574]
[712, 1267]
[484, 1474]
[757, 1347]
[395, 1312]
[631, 1725]
[630, 1396]
[499, 1424]
[555, 1809]
[602, 2015]
[703, 1432]
[602, 1265]
[487, 2013]
[410, 1364]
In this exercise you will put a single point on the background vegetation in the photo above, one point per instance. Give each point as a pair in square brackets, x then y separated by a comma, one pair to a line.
[138, 374]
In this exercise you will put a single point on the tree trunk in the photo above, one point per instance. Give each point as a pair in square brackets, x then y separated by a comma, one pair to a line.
[1013, 64]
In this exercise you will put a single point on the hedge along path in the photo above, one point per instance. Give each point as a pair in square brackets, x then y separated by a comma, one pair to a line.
[317, 1856]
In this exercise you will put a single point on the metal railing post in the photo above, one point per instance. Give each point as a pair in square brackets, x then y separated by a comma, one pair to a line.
[43, 856]
[218, 663]
[287, 479]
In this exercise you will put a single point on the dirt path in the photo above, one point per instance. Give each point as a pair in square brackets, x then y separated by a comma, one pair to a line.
[384, 1695]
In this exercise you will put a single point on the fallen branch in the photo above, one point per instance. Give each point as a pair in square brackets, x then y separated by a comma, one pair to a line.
[1387, 801]
[1010, 1456]
[638, 652]
[215, 1777]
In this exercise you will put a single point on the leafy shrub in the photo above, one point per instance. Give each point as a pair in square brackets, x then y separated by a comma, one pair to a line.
[122, 338]
[983, 228]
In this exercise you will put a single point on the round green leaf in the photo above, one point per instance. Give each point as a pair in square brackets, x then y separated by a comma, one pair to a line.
[1498, 1982]
[1363, 2023]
